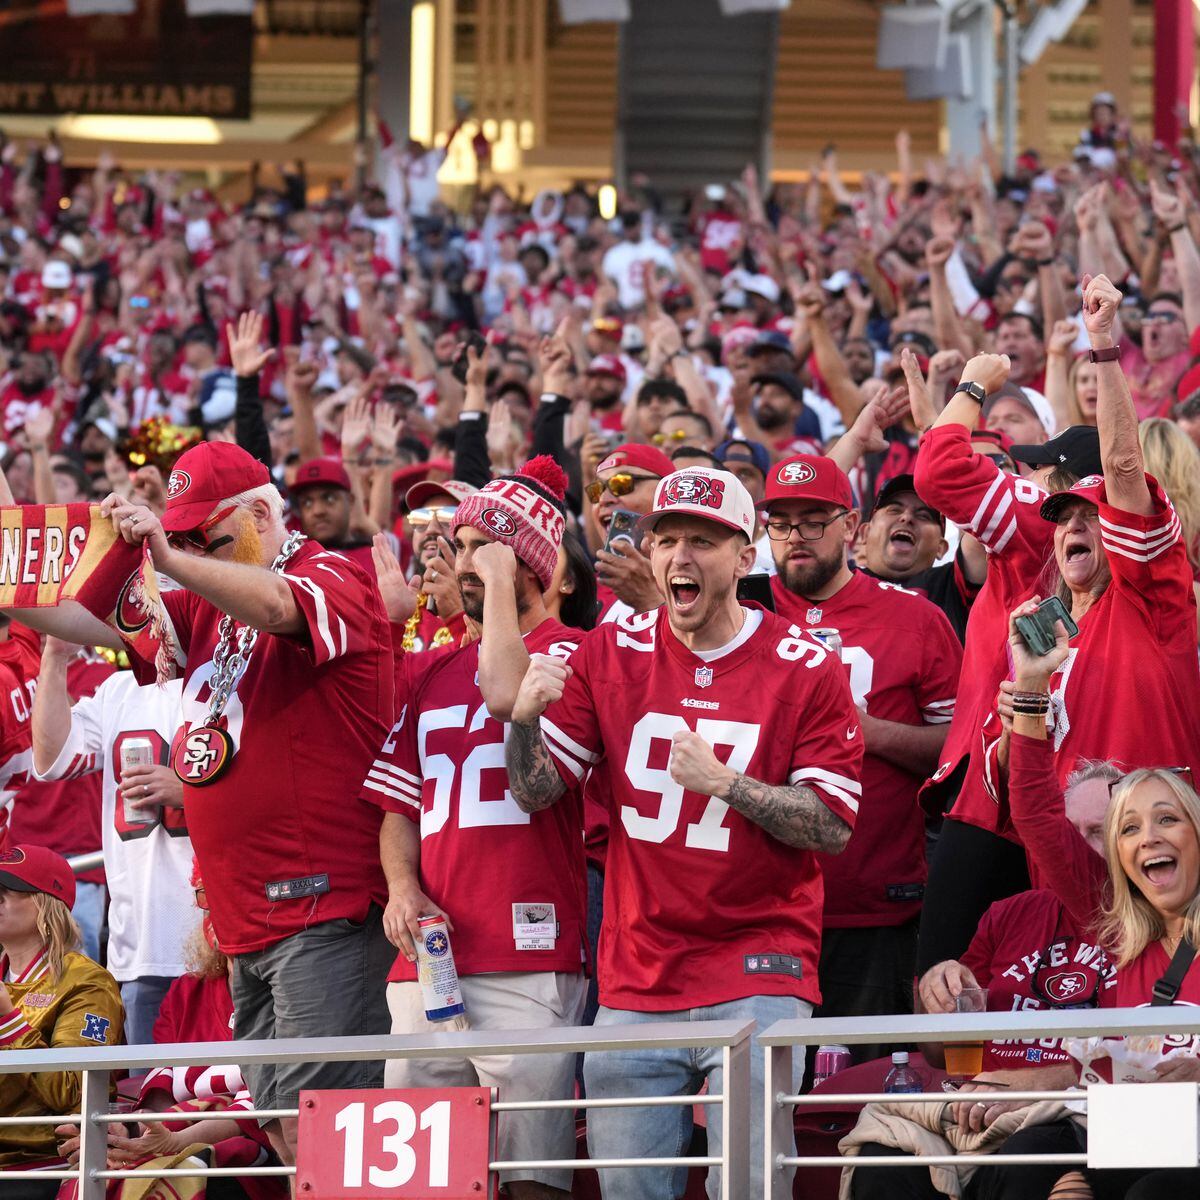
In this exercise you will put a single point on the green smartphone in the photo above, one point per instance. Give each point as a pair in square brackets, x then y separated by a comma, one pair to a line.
[1037, 630]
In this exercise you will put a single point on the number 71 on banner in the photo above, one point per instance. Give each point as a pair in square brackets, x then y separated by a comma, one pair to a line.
[409, 1144]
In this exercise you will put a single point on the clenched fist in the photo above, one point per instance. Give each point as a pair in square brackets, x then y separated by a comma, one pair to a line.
[990, 370]
[543, 684]
[694, 765]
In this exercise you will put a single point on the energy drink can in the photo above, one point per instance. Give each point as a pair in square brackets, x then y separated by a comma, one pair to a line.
[436, 971]
[829, 1061]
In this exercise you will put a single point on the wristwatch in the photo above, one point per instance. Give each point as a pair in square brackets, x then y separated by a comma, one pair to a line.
[1108, 354]
[974, 390]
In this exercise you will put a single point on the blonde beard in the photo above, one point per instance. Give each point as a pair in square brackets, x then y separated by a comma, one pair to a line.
[248, 547]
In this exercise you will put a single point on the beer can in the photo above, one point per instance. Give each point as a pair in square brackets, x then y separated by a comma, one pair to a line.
[137, 752]
[831, 639]
[829, 1061]
[436, 971]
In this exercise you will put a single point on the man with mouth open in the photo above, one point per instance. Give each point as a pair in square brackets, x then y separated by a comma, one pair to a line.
[903, 659]
[733, 750]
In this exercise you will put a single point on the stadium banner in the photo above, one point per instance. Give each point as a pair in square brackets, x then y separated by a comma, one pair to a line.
[172, 58]
[55, 552]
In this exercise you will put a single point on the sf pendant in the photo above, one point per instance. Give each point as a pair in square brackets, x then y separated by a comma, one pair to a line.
[203, 756]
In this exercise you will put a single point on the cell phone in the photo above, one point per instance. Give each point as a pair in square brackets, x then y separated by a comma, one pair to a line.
[757, 588]
[623, 527]
[1037, 630]
[459, 367]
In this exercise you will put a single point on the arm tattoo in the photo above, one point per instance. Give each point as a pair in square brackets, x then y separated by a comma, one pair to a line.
[532, 776]
[794, 815]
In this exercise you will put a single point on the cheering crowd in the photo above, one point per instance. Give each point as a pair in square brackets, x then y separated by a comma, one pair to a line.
[662, 602]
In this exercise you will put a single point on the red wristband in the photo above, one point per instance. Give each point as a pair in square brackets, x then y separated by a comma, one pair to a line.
[1108, 354]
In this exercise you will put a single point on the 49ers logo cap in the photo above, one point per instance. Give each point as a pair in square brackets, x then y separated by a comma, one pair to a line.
[704, 492]
[37, 869]
[203, 477]
[808, 477]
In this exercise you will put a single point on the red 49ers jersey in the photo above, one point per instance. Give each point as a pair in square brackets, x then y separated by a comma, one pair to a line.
[1003, 512]
[702, 905]
[306, 718]
[497, 871]
[1129, 690]
[903, 661]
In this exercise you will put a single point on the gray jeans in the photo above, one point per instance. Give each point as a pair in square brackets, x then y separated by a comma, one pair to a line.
[326, 981]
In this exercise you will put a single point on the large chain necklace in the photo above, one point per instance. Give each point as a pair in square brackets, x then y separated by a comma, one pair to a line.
[205, 753]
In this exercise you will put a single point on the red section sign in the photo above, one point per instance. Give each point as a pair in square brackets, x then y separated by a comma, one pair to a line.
[410, 1144]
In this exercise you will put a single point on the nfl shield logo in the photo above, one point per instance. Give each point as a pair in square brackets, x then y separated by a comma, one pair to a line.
[704, 676]
[813, 615]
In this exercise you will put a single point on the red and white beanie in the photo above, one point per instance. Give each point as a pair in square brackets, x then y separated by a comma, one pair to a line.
[524, 511]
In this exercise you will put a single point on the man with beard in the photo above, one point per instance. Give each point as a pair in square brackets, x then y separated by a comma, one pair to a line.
[30, 389]
[733, 751]
[287, 695]
[454, 842]
[903, 661]
[770, 408]
[604, 385]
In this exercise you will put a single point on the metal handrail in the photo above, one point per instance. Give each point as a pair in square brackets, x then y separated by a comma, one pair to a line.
[92, 861]
[733, 1038]
[779, 1040]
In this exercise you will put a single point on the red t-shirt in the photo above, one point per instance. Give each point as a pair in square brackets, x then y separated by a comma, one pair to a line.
[1002, 511]
[903, 660]
[1135, 985]
[1129, 690]
[307, 719]
[482, 858]
[1031, 956]
[702, 905]
[22, 652]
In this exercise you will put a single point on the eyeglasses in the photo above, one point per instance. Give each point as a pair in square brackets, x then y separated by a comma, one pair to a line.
[198, 539]
[779, 529]
[418, 518]
[1003, 462]
[677, 436]
[1184, 773]
[1160, 318]
[620, 484]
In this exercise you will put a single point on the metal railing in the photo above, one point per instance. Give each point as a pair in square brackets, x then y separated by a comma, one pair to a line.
[778, 1042]
[733, 1038]
[91, 861]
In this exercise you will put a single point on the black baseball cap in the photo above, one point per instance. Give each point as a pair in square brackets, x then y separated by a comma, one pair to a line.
[903, 485]
[1077, 448]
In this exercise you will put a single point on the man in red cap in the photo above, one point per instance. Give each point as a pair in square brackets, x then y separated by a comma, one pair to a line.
[323, 499]
[733, 752]
[625, 482]
[285, 654]
[903, 661]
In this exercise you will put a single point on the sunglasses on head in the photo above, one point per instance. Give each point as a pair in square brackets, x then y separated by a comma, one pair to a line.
[420, 517]
[1184, 773]
[198, 538]
[619, 484]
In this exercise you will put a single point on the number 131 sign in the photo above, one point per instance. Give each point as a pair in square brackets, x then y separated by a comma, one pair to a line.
[409, 1144]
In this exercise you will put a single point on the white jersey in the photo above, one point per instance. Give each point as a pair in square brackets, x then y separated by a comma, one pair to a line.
[149, 867]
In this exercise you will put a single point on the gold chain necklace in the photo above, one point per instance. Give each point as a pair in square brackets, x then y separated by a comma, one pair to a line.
[443, 637]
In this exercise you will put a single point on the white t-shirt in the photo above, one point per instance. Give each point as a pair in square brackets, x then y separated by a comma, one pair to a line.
[623, 265]
[149, 867]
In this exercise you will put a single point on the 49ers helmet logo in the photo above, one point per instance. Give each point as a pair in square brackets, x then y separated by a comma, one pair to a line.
[12, 856]
[697, 491]
[1065, 987]
[179, 483]
[796, 473]
[502, 524]
[202, 755]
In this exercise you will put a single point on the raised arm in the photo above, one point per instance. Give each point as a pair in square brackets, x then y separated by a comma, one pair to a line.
[503, 659]
[1116, 418]
[1171, 212]
[51, 721]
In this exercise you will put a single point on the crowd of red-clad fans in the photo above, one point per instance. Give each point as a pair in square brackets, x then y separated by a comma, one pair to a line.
[777, 606]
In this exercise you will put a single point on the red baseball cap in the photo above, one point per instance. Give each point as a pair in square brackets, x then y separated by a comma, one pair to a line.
[1089, 488]
[635, 454]
[421, 492]
[321, 470]
[204, 476]
[607, 364]
[36, 869]
[808, 477]
[998, 436]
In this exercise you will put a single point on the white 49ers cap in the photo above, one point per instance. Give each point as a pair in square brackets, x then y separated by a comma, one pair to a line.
[704, 492]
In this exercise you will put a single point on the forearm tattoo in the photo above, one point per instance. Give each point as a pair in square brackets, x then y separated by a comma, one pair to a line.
[533, 778]
[794, 815]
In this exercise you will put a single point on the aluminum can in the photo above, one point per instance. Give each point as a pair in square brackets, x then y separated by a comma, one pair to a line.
[831, 639]
[137, 752]
[829, 1061]
[436, 971]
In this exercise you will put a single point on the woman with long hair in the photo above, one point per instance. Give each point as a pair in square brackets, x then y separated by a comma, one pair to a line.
[50, 996]
[1174, 460]
[571, 596]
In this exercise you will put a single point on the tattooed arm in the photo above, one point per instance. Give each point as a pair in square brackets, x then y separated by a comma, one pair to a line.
[533, 778]
[794, 815]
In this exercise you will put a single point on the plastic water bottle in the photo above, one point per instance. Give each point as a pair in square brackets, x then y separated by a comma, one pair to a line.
[902, 1078]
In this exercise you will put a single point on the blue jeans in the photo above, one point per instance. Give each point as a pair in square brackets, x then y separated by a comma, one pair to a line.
[142, 999]
[91, 899]
[666, 1132]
